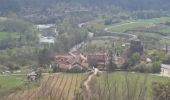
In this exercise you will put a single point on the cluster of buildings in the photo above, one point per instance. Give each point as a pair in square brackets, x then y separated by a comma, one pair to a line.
[79, 62]
[50, 40]
[165, 69]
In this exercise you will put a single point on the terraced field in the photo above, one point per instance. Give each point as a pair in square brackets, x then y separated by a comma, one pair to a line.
[55, 87]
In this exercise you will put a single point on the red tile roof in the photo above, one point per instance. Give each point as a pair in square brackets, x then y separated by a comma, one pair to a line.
[66, 61]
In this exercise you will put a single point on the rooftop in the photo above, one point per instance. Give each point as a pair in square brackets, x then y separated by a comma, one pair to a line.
[47, 39]
[165, 66]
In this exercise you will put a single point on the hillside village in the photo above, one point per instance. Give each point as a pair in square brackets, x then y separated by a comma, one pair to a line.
[84, 50]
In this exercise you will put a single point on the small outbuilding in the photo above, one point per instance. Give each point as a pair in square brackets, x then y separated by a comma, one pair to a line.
[32, 76]
[165, 70]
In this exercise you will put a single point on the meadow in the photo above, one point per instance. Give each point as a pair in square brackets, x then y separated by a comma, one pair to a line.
[10, 84]
[5, 35]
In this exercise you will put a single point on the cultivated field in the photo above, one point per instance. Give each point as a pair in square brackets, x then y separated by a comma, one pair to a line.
[54, 87]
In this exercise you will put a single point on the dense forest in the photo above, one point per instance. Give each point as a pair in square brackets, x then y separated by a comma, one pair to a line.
[50, 10]
[125, 4]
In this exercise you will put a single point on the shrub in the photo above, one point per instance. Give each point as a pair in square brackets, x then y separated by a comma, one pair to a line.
[161, 91]
[148, 68]
[156, 67]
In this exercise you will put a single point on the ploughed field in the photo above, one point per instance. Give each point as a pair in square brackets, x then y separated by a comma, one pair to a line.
[54, 87]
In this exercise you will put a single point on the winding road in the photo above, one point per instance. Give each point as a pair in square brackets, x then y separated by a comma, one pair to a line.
[132, 36]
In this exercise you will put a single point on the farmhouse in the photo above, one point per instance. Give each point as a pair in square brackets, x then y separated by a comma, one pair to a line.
[97, 59]
[50, 40]
[32, 76]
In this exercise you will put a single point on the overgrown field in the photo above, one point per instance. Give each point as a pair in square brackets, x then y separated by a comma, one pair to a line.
[54, 87]
[123, 85]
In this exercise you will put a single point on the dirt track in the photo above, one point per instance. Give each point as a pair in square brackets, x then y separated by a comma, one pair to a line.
[86, 83]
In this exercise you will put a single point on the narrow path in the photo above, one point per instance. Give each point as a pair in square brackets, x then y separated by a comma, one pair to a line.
[132, 36]
[86, 83]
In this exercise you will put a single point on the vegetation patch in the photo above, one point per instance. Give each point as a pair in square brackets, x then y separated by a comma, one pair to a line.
[11, 83]
[5, 35]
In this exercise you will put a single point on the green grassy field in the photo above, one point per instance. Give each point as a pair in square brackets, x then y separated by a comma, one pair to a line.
[4, 35]
[10, 83]
[117, 81]
[126, 25]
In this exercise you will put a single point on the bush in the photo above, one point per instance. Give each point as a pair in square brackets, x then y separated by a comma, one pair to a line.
[143, 68]
[161, 91]
[148, 68]
[156, 67]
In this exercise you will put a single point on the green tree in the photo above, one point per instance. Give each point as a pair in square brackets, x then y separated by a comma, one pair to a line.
[156, 67]
[135, 58]
[44, 57]
[112, 65]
